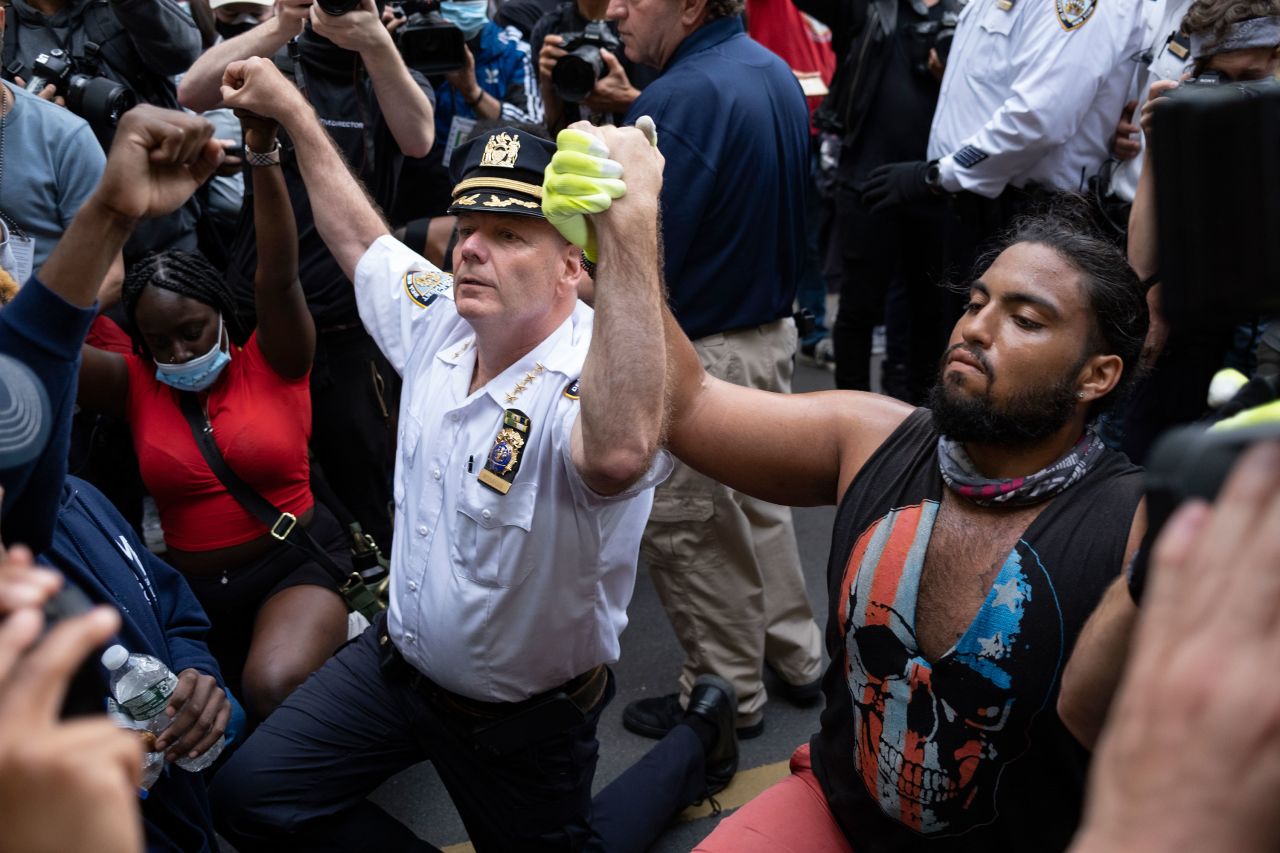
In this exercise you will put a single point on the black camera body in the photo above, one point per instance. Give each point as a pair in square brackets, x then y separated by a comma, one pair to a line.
[1216, 155]
[427, 42]
[1208, 79]
[95, 99]
[576, 73]
[1188, 462]
[338, 7]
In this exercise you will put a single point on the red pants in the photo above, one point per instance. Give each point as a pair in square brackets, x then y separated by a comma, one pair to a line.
[793, 815]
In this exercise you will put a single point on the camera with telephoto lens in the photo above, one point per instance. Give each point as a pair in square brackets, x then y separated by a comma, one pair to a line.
[95, 99]
[427, 42]
[576, 73]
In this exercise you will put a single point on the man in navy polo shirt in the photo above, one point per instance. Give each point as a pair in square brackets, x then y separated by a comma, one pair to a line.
[734, 130]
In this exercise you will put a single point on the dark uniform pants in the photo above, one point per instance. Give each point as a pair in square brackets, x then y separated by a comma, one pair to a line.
[300, 782]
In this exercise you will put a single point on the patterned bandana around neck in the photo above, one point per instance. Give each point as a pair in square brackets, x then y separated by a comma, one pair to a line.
[959, 472]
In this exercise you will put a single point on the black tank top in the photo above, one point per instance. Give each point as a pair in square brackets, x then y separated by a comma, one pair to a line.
[967, 753]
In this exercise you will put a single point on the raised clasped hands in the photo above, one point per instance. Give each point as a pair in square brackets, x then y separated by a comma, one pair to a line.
[586, 174]
[255, 89]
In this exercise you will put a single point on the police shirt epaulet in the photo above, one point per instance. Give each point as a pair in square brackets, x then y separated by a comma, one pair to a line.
[572, 390]
[425, 286]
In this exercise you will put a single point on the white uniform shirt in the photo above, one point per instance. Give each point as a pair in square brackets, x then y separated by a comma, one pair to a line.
[494, 597]
[1033, 93]
[1163, 59]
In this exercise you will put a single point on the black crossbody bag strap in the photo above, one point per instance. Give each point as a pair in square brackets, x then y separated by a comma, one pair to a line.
[282, 525]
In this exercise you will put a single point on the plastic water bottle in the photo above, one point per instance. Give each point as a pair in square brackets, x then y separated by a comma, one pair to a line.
[142, 686]
[152, 762]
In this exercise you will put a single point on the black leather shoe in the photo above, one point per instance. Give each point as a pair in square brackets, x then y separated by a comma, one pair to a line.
[714, 700]
[657, 715]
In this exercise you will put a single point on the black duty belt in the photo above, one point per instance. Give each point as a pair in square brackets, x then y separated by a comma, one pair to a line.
[584, 691]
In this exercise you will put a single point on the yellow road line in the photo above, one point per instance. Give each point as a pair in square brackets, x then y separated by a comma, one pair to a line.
[745, 785]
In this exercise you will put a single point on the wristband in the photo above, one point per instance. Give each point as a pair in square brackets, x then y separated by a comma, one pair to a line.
[479, 97]
[263, 158]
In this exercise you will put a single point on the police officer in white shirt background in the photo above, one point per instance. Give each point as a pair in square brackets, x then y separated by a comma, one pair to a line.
[1029, 103]
[523, 480]
[1166, 56]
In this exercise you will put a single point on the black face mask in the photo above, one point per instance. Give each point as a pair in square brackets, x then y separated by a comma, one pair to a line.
[230, 31]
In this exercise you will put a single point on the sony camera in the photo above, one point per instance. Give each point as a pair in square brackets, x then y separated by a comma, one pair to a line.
[426, 41]
[575, 75]
[96, 99]
[1216, 155]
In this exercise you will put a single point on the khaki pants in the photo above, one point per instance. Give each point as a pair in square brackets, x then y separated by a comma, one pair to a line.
[726, 565]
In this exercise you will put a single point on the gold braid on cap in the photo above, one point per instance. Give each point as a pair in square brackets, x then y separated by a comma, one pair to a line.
[497, 183]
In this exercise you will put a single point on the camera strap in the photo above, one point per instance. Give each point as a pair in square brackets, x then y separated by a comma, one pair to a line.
[357, 82]
[283, 526]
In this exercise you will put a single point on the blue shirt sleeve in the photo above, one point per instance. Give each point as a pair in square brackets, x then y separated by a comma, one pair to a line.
[45, 332]
[81, 163]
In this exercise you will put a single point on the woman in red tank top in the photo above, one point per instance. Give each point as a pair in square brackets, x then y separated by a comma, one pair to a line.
[276, 615]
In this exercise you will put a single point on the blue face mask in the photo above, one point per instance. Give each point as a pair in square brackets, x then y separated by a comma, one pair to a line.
[198, 373]
[467, 15]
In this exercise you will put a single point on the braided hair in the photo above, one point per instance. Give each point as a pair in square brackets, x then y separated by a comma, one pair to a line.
[187, 274]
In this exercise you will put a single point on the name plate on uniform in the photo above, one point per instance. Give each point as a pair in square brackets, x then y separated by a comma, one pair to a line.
[503, 462]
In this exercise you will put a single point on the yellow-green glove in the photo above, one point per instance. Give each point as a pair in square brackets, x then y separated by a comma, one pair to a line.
[580, 180]
[1257, 416]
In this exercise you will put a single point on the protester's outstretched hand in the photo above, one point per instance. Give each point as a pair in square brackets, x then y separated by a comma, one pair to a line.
[63, 786]
[256, 86]
[158, 159]
[1190, 756]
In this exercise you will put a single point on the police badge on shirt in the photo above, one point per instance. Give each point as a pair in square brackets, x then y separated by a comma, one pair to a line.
[503, 462]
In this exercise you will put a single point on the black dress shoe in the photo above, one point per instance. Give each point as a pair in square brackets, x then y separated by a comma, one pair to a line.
[713, 699]
[657, 715]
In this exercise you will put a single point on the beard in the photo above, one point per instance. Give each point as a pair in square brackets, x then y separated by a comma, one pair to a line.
[1024, 419]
